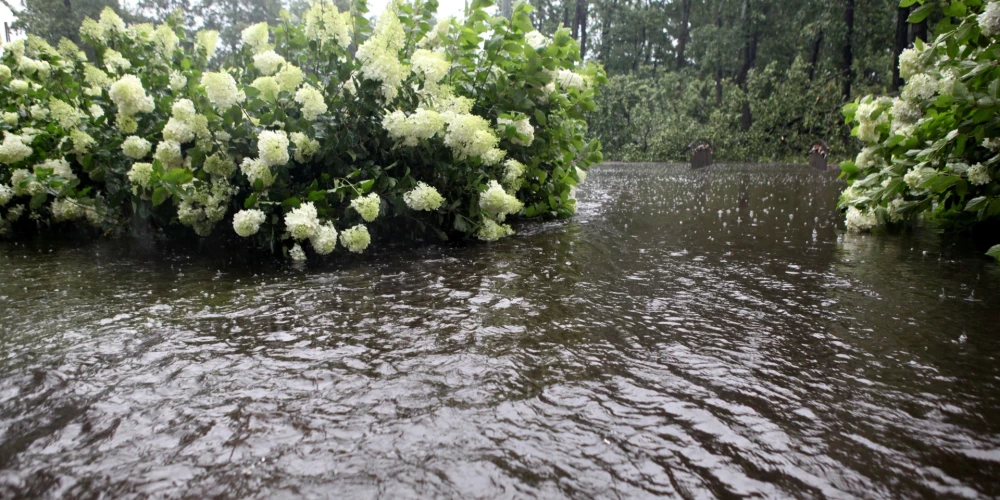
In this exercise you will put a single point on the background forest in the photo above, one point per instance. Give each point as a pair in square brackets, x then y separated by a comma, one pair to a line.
[760, 79]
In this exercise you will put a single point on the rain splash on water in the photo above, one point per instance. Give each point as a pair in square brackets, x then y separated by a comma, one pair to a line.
[709, 333]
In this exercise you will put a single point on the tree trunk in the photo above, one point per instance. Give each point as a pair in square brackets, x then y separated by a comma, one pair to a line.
[606, 31]
[814, 56]
[902, 27]
[718, 64]
[682, 39]
[748, 55]
[919, 30]
[848, 64]
[575, 28]
[581, 22]
[566, 17]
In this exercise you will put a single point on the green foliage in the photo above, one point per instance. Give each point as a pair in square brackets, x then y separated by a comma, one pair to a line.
[932, 152]
[644, 119]
[245, 157]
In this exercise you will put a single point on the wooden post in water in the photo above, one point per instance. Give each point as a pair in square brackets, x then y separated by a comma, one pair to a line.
[701, 153]
[818, 155]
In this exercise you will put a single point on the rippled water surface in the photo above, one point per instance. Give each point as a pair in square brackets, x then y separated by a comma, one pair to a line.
[691, 334]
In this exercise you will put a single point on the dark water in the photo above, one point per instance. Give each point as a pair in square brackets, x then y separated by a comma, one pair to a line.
[687, 334]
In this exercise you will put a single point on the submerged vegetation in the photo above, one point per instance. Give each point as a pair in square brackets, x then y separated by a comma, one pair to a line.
[933, 151]
[314, 133]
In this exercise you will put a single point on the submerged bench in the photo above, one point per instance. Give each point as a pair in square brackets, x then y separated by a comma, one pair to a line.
[818, 154]
[701, 153]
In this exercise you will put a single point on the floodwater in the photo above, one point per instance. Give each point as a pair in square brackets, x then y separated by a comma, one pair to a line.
[691, 334]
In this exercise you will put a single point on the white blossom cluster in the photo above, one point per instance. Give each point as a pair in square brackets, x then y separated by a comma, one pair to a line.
[379, 55]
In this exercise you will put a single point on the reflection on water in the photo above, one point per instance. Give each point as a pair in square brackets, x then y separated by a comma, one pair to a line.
[688, 333]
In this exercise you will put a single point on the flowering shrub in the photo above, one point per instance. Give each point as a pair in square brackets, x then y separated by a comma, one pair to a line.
[316, 133]
[932, 151]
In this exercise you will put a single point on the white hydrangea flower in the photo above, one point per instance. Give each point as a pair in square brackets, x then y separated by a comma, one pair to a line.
[324, 23]
[219, 164]
[19, 87]
[989, 20]
[65, 114]
[910, 63]
[905, 111]
[296, 253]
[256, 36]
[894, 210]
[169, 154]
[110, 22]
[22, 182]
[6, 194]
[4, 73]
[256, 169]
[95, 77]
[469, 136]
[992, 144]
[115, 62]
[491, 231]
[267, 86]
[423, 197]
[493, 156]
[567, 78]
[432, 65]
[208, 40]
[141, 174]
[325, 239]
[177, 81]
[166, 39]
[978, 175]
[422, 124]
[302, 222]
[367, 206]
[512, 174]
[859, 221]
[437, 35]
[221, 90]
[247, 222]
[289, 77]
[312, 102]
[82, 141]
[59, 166]
[916, 175]
[356, 239]
[130, 97]
[267, 62]
[523, 127]
[11, 118]
[497, 202]
[536, 39]
[920, 87]
[13, 149]
[14, 213]
[379, 55]
[96, 111]
[304, 146]
[273, 147]
[63, 209]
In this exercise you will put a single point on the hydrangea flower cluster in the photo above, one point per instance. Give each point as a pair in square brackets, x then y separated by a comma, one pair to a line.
[301, 160]
[931, 152]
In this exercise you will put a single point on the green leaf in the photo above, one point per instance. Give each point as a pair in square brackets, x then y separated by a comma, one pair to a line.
[160, 195]
[921, 13]
[994, 252]
[292, 202]
[366, 186]
[177, 176]
[976, 204]
[907, 3]
[251, 201]
[38, 200]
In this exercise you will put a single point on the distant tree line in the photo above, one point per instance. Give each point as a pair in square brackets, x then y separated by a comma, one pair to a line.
[756, 74]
